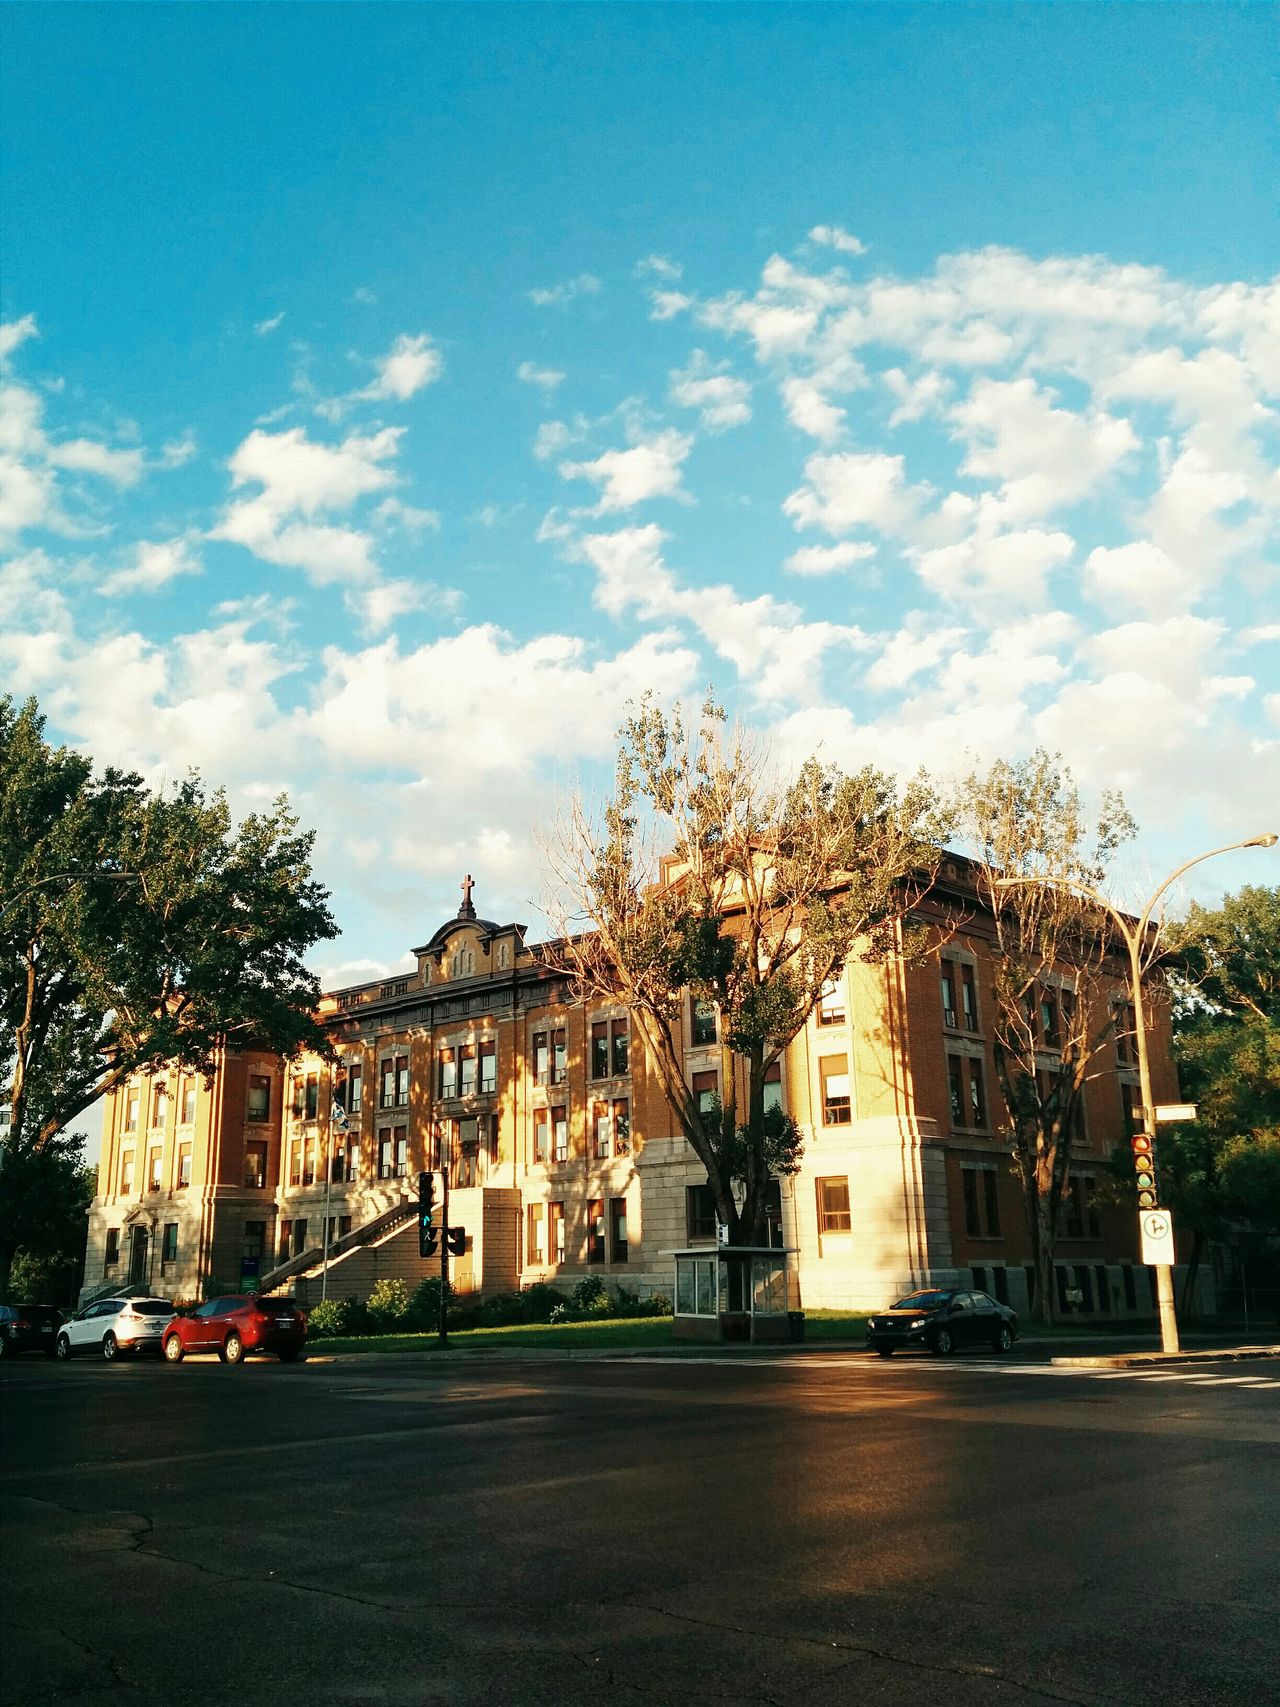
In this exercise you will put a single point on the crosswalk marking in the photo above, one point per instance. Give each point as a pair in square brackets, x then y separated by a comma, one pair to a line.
[934, 1366]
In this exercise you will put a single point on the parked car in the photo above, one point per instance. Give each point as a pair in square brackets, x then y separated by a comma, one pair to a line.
[236, 1326]
[943, 1320]
[28, 1327]
[115, 1325]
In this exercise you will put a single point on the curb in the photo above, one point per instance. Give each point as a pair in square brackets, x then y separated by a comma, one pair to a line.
[1140, 1359]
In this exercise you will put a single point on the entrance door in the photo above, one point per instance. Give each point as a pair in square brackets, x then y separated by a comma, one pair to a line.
[138, 1256]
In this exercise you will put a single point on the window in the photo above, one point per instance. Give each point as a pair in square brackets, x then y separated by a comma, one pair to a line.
[601, 1125]
[311, 1107]
[699, 1212]
[1126, 1020]
[310, 1160]
[184, 1164]
[1050, 1030]
[159, 1105]
[467, 1081]
[402, 1080]
[704, 1024]
[621, 1126]
[346, 1158]
[831, 1009]
[980, 1187]
[949, 1016]
[255, 1240]
[488, 1068]
[1130, 1102]
[833, 1206]
[126, 1173]
[968, 998]
[773, 1086]
[560, 1134]
[255, 1165]
[537, 1250]
[600, 1049]
[1080, 1209]
[541, 1058]
[555, 1231]
[387, 1083]
[706, 1090]
[541, 1133]
[386, 1142]
[401, 1136]
[259, 1097]
[773, 1214]
[966, 1091]
[348, 1087]
[837, 1109]
[112, 1256]
[447, 1073]
[618, 1228]
[131, 1110]
[559, 1055]
[595, 1230]
[169, 1243]
[155, 1160]
[286, 1235]
[295, 1162]
[189, 1103]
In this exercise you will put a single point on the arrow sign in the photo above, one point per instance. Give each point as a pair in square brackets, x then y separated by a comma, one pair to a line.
[1156, 1226]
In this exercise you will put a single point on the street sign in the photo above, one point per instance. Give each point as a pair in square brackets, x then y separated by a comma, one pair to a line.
[1156, 1226]
[1175, 1111]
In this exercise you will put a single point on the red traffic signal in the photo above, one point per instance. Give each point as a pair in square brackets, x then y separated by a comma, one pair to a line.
[1144, 1169]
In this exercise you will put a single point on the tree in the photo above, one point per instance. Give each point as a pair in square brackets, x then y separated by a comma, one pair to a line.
[1036, 855]
[136, 928]
[44, 1198]
[704, 876]
[1221, 1174]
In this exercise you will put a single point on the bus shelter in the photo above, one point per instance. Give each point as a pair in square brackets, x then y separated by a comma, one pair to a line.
[742, 1292]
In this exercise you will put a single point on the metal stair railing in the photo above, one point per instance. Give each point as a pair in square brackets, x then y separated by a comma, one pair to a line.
[362, 1235]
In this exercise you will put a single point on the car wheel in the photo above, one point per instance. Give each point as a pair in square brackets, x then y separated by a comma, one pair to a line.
[232, 1349]
[110, 1350]
[944, 1342]
[1004, 1338]
[884, 1351]
[63, 1347]
[173, 1350]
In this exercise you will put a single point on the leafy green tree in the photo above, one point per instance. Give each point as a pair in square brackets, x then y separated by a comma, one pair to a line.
[1221, 1174]
[135, 928]
[704, 877]
[1037, 856]
[44, 1198]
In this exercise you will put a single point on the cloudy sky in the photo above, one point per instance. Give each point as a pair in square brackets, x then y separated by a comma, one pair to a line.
[391, 392]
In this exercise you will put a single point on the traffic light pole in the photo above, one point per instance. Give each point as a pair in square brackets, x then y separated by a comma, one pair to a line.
[444, 1246]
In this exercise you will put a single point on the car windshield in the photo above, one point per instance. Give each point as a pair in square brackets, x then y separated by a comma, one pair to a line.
[153, 1307]
[924, 1301]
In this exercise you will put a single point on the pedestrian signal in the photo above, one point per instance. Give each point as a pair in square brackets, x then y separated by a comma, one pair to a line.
[457, 1238]
[428, 1232]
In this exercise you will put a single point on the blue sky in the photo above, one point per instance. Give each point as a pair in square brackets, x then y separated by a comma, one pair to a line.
[393, 391]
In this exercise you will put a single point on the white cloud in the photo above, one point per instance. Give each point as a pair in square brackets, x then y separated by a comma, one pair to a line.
[557, 296]
[263, 327]
[391, 512]
[659, 267]
[997, 570]
[650, 469]
[809, 409]
[666, 304]
[155, 564]
[88, 456]
[15, 332]
[1138, 575]
[547, 378]
[836, 237]
[855, 489]
[917, 646]
[828, 559]
[723, 401]
[924, 395]
[412, 363]
[298, 474]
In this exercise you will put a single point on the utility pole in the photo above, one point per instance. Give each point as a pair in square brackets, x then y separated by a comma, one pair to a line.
[444, 1245]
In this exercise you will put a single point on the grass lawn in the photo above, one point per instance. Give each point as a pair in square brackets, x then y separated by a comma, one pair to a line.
[641, 1333]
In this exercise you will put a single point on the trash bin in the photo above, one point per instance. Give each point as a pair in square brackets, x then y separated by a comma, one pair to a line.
[795, 1325]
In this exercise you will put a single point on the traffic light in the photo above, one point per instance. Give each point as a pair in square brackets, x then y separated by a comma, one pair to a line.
[1144, 1171]
[457, 1237]
[428, 1232]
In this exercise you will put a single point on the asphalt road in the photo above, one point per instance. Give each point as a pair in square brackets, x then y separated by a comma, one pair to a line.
[820, 1528]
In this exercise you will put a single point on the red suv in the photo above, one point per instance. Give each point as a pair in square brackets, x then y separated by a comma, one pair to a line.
[233, 1327]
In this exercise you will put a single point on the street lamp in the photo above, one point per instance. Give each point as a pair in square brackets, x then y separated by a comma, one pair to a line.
[1134, 938]
[65, 877]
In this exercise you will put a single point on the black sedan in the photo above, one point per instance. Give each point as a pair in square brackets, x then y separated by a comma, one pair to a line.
[28, 1327]
[943, 1320]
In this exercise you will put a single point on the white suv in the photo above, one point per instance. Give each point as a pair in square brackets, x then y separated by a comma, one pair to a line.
[115, 1325]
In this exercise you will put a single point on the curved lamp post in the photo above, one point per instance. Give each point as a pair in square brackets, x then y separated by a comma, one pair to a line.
[1134, 938]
